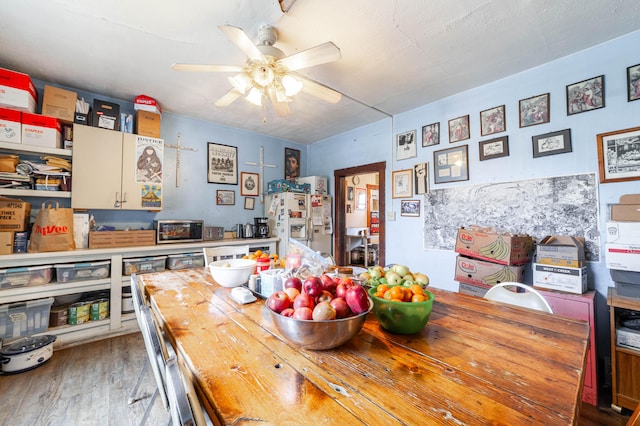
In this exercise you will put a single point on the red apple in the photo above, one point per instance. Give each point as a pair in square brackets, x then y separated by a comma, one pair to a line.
[292, 292]
[312, 286]
[293, 282]
[324, 296]
[278, 301]
[347, 281]
[328, 284]
[341, 290]
[287, 312]
[303, 313]
[323, 311]
[303, 301]
[357, 299]
[341, 307]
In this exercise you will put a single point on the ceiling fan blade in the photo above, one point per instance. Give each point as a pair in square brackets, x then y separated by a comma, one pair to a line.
[321, 54]
[228, 97]
[319, 90]
[240, 39]
[207, 68]
[282, 108]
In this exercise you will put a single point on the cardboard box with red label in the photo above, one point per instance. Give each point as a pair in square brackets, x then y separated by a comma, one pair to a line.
[625, 257]
[10, 125]
[40, 130]
[146, 103]
[17, 91]
[486, 274]
[504, 249]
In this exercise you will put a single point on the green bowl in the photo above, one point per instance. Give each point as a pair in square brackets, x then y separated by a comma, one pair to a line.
[402, 317]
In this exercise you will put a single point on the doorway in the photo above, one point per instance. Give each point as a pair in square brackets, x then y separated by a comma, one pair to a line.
[375, 207]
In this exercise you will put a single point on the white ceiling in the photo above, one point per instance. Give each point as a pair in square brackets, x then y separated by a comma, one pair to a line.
[396, 55]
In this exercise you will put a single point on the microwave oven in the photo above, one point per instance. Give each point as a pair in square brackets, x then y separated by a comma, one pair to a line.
[178, 231]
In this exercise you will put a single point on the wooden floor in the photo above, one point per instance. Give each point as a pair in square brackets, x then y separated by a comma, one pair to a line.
[90, 384]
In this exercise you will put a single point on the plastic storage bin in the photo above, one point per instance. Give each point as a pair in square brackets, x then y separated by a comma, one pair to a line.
[144, 265]
[185, 261]
[19, 277]
[82, 271]
[24, 318]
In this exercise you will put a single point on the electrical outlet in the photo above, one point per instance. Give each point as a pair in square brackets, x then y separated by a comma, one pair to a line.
[391, 215]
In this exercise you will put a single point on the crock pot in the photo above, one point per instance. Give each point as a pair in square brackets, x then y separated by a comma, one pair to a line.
[26, 353]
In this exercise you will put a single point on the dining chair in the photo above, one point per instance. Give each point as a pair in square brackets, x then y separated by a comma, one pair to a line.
[184, 405]
[211, 254]
[530, 298]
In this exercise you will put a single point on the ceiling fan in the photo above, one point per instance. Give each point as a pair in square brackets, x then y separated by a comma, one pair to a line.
[269, 73]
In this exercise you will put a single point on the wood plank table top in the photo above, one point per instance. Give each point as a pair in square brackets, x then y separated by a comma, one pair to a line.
[475, 362]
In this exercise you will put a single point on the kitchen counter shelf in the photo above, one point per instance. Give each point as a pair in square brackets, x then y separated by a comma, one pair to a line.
[19, 294]
[18, 148]
[34, 193]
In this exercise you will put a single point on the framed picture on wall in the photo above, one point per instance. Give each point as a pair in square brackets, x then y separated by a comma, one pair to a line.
[494, 148]
[291, 163]
[249, 184]
[401, 180]
[459, 129]
[410, 208]
[361, 199]
[222, 164]
[421, 178]
[534, 110]
[618, 157]
[585, 95]
[451, 164]
[406, 145]
[249, 203]
[633, 83]
[492, 121]
[431, 134]
[552, 143]
[225, 198]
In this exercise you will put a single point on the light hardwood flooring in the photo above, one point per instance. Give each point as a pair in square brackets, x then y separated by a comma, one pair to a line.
[83, 385]
[90, 385]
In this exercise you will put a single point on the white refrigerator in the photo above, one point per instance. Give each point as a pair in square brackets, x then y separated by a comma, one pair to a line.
[303, 217]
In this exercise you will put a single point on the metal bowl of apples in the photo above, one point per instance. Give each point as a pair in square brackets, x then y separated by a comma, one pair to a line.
[319, 313]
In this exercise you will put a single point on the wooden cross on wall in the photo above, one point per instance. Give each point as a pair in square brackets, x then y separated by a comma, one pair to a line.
[261, 173]
[179, 148]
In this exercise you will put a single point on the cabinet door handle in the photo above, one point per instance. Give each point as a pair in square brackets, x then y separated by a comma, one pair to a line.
[116, 203]
[124, 197]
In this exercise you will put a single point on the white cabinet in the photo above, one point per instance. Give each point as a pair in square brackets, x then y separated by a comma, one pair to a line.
[107, 171]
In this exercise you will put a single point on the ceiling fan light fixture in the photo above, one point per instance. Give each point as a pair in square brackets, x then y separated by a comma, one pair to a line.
[291, 85]
[281, 96]
[255, 96]
[240, 82]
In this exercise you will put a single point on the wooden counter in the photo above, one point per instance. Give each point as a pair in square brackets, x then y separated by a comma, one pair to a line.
[476, 362]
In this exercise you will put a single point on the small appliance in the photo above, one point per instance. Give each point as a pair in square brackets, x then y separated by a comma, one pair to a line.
[262, 227]
[240, 230]
[212, 233]
[249, 230]
[178, 231]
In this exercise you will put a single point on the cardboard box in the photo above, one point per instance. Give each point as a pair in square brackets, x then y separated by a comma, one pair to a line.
[485, 274]
[560, 262]
[623, 232]
[15, 214]
[625, 212]
[17, 91]
[560, 248]
[625, 257]
[472, 290]
[319, 185]
[59, 103]
[493, 247]
[10, 125]
[147, 124]
[106, 115]
[146, 103]
[40, 130]
[630, 199]
[570, 280]
[6, 242]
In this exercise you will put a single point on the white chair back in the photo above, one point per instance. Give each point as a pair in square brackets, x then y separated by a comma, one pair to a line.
[531, 298]
[211, 254]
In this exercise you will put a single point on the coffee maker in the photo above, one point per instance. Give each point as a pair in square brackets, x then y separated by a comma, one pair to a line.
[262, 227]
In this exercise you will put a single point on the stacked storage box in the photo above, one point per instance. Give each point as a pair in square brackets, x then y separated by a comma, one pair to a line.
[560, 264]
[623, 245]
[488, 257]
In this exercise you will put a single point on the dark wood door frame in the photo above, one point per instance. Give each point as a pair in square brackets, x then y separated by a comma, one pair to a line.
[340, 202]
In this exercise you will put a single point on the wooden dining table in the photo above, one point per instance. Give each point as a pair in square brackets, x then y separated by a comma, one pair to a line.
[475, 362]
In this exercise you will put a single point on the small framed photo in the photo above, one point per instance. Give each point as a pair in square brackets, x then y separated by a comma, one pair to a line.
[633, 83]
[421, 178]
[361, 199]
[619, 155]
[249, 184]
[494, 148]
[406, 145]
[225, 197]
[222, 164]
[402, 181]
[492, 121]
[552, 143]
[410, 208]
[451, 164]
[249, 203]
[291, 163]
[431, 134]
[459, 129]
[585, 95]
[534, 110]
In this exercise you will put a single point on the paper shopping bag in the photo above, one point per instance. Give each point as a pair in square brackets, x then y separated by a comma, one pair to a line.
[53, 229]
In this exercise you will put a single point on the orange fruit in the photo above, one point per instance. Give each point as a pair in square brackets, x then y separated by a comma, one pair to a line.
[382, 288]
[408, 294]
[416, 289]
[396, 292]
[419, 298]
[379, 294]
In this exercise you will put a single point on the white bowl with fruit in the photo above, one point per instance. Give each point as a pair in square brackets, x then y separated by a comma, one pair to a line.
[232, 272]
